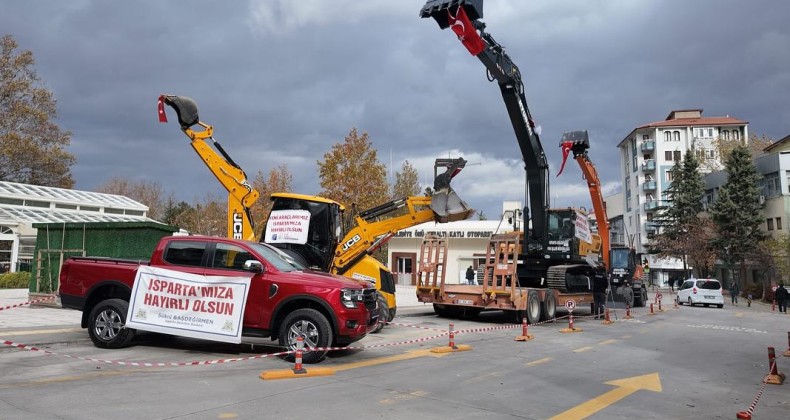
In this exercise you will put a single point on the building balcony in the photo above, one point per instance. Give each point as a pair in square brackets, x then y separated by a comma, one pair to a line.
[648, 146]
[655, 205]
[651, 227]
[649, 186]
[649, 165]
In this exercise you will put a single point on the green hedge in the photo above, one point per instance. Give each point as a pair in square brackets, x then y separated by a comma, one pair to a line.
[15, 280]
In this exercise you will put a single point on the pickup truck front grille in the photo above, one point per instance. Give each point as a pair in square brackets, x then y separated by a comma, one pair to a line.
[369, 297]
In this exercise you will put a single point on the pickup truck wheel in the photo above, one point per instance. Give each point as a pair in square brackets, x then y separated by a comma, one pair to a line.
[313, 326]
[106, 325]
[384, 313]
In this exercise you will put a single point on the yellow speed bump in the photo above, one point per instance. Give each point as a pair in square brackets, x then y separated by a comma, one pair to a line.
[267, 375]
[448, 349]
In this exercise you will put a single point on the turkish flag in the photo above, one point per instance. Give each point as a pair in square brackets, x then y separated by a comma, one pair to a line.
[566, 150]
[161, 106]
[466, 32]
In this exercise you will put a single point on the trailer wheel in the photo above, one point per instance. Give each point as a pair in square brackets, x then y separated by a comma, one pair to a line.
[445, 311]
[313, 327]
[533, 307]
[548, 309]
[106, 325]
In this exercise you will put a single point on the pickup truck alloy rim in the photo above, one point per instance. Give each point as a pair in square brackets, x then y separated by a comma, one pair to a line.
[305, 329]
[108, 324]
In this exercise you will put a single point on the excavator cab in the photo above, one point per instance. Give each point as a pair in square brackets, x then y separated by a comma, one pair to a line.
[306, 227]
[447, 206]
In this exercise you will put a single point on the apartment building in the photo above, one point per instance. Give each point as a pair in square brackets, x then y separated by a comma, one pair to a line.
[647, 155]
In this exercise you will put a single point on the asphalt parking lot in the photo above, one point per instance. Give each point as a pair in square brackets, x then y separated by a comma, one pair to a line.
[687, 362]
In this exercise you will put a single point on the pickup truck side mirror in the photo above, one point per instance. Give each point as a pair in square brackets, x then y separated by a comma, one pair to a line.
[254, 266]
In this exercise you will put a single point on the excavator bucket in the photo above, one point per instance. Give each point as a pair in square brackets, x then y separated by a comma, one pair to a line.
[185, 107]
[441, 10]
[576, 141]
[447, 206]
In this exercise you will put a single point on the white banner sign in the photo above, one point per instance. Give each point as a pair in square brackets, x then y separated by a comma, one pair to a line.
[189, 305]
[583, 228]
[287, 226]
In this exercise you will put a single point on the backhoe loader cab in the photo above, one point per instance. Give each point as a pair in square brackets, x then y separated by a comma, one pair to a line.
[308, 228]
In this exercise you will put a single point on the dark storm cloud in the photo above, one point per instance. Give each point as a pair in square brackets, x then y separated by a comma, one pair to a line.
[282, 81]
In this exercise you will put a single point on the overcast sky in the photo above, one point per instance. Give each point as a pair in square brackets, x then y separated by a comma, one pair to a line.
[282, 81]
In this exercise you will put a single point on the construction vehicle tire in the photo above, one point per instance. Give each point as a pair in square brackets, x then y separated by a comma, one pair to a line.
[548, 308]
[533, 307]
[384, 314]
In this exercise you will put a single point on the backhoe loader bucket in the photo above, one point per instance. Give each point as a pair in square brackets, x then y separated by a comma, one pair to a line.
[438, 9]
[185, 107]
[447, 206]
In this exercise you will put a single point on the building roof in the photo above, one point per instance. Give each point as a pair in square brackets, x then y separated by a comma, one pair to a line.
[784, 141]
[24, 203]
[65, 196]
[687, 118]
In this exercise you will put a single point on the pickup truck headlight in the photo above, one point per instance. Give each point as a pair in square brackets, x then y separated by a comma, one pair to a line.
[350, 297]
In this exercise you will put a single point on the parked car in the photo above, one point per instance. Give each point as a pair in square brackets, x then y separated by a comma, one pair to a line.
[704, 291]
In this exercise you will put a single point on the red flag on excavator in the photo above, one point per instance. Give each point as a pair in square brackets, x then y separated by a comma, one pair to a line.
[161, 107]
[466, 32]
[566, 150]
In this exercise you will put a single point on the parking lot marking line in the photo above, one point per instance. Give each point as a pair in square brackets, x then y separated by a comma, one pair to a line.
[228, 416]
[481, 377]
[34, 332]
[581, 349]
[387, 359]
[540, 361]
[608, 341]
[625, 387]
[59, 379]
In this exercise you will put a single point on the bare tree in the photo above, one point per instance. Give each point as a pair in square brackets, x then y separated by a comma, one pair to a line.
[32, 146]
[152, 194]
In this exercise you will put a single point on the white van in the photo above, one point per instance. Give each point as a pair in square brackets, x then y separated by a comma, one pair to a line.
[704, 291]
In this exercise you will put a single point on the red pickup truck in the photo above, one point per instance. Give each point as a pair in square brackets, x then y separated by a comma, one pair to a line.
[284, 300]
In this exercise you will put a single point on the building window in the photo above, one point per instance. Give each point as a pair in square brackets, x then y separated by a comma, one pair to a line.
[645, 137]
[771, 185]
[725, 135]
[676, 135]
[770, 223]
[627, 195]
[669, 176]
[778, 223]
[667, 136]
[668, 156]
[736, 134]
[710, 154]
[788, 181]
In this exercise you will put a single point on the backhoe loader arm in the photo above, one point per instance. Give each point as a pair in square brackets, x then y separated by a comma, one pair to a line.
[241, 195]
[578, 142]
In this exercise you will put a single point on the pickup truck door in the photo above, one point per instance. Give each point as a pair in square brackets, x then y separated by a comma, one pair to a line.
[228, 260]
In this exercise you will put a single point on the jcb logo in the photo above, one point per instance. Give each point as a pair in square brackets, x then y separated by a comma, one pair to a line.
[349, 243]
[238, 225]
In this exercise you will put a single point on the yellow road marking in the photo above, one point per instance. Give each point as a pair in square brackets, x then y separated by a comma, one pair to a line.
[579, 350]
[738, 314]
[69, 378]
[228, 416]
[34, 332]
[387, 359]
[539, 361]
[625, 387]
[608, 341]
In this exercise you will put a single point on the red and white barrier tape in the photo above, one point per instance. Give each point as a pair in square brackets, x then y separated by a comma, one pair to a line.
[753, 405]
[27, 303]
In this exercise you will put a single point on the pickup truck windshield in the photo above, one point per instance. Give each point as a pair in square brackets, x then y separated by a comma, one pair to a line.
[274, 257]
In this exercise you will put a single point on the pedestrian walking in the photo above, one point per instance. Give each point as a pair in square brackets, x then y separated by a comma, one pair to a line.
[734, 291]
[470, 275]
[782, 296]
